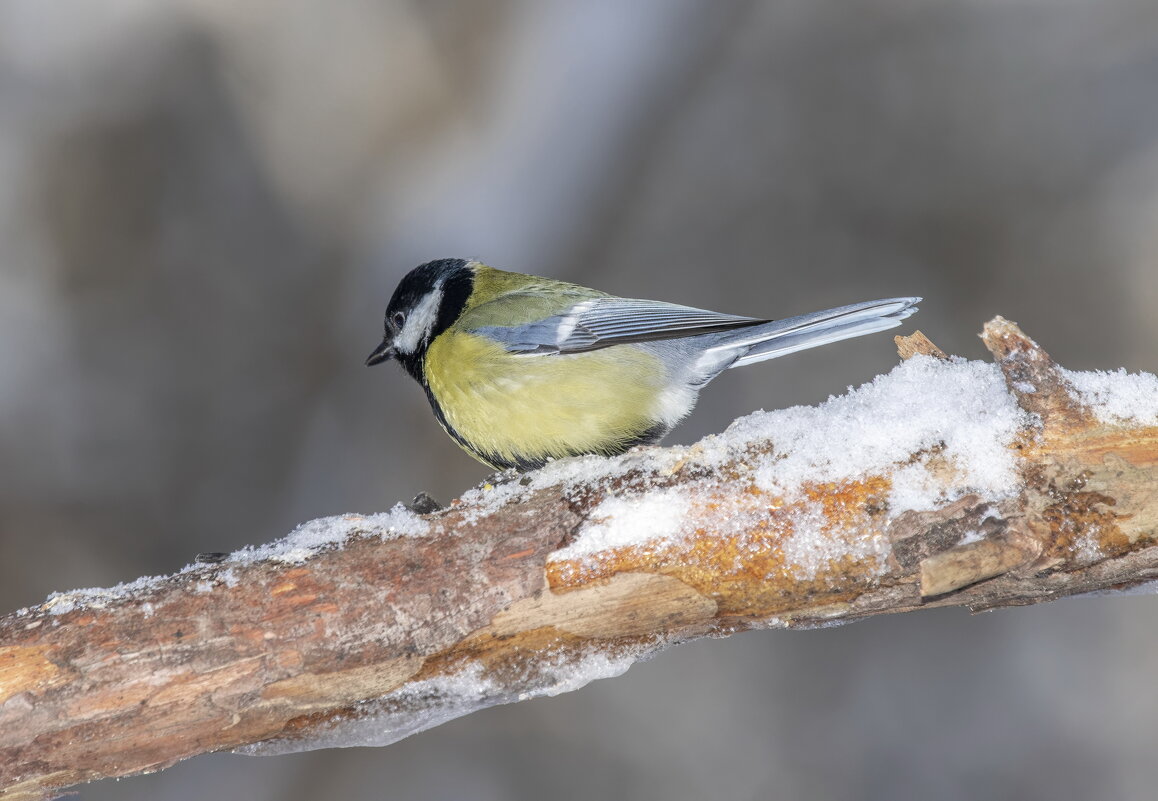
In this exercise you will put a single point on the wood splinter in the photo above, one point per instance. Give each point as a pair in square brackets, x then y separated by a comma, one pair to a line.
[1033, 377]
[917, 344]
[969, 564]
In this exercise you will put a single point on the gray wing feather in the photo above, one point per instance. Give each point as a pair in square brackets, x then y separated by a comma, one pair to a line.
[602, 322]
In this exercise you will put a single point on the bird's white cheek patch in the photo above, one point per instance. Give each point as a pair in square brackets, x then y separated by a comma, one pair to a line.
[419, 323]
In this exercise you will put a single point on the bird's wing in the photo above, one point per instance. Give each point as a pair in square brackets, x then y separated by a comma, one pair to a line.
[600, 322]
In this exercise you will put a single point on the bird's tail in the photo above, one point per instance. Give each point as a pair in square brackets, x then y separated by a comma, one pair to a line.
[781, 337]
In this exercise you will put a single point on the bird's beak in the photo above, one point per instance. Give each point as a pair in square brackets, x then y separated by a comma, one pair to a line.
[382, 353]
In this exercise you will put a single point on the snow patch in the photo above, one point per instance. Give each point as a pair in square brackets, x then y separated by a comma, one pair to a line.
[627, 520]
[569, 675]
[419, 706]
[61, 603]
[303, 543]
[315, 536]
[422, 705]
[960, 411]
[1117, 397]
[809, 550]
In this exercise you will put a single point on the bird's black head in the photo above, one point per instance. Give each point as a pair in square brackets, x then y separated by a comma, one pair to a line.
[427, 302]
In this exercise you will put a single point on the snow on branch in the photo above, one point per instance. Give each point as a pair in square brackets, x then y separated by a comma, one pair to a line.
[945, 482]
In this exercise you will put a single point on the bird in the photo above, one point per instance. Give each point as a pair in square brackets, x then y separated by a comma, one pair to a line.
[521, 370]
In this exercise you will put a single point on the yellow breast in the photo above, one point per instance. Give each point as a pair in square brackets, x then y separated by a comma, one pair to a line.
[519, 409]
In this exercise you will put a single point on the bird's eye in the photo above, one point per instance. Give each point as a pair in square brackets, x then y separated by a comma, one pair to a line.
[398, 319]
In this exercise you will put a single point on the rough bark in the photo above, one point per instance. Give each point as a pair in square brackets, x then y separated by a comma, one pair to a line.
[223, 656]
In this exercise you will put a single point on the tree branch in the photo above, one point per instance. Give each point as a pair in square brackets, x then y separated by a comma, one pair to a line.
[944, 483]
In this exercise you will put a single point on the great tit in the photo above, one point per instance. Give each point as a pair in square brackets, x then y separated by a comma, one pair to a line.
[521, 369]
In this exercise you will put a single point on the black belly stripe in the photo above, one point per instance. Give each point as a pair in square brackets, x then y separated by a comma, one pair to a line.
[651, 435]
[490, 459]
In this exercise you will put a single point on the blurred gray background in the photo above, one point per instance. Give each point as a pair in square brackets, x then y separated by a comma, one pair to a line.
[205, 204]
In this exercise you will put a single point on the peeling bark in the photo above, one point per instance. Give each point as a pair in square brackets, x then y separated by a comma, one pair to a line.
[227, 655]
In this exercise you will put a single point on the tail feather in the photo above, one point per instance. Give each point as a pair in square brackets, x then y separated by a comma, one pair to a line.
[781, 337]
